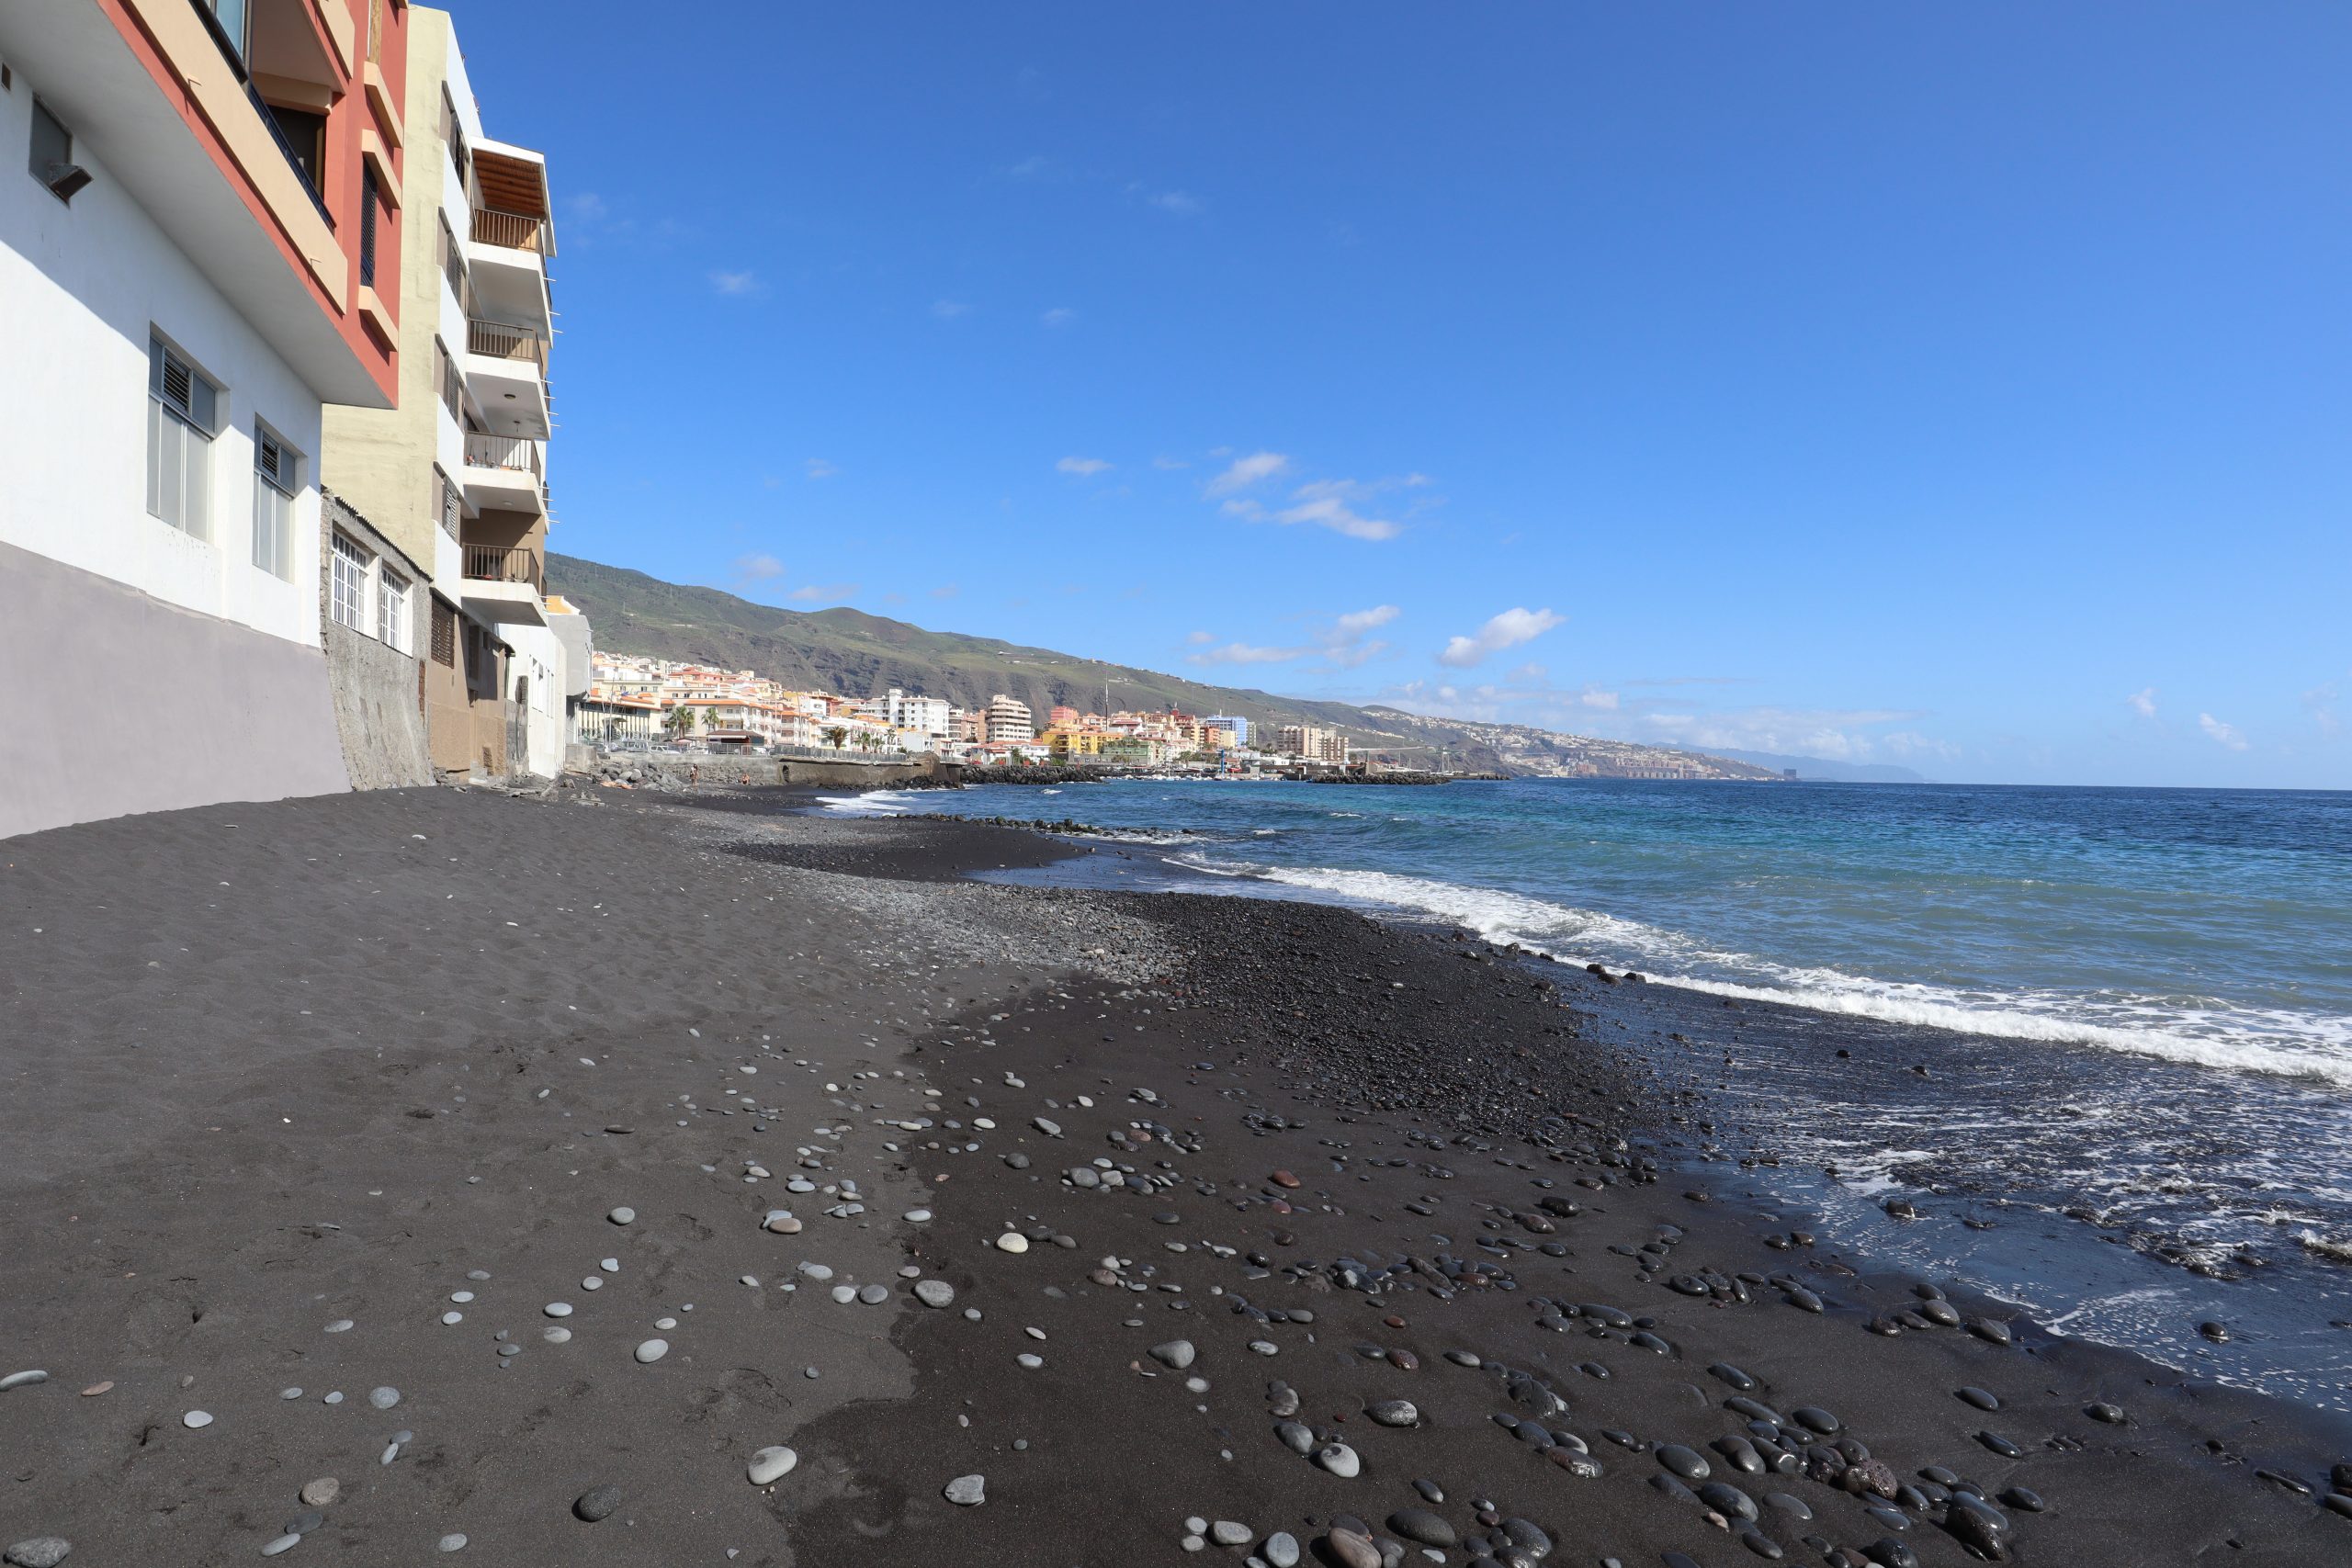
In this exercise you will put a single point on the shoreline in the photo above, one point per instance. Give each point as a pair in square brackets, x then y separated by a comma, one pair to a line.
[180, 1183]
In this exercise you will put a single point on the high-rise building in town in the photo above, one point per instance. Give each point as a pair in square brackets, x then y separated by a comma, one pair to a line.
[1009, 719]
[200, 247]
[1236, 726]
[456, 475]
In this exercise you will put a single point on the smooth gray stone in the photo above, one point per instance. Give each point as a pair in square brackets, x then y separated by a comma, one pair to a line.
[1298, 1439]
[874, 1295]
[25, 1379]
[1281, 1549]
[596, 1503]
[383, 1398]
[1684, 1463]
[1393, 1413]
[38, 1551]
[651, 1352]
[967, 1490]
[450, 1542]
[283, 1543]
[1231, 1532]
[624, 1216]
[1339, 1459]
[1420, 1525]
[1175, 1355]
[934, 1292]
[772, 1464]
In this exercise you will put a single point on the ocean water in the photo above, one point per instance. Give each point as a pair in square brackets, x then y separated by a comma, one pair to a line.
[2134, 1007]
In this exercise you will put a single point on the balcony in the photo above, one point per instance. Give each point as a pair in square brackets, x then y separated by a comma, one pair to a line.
[510, 231]
[505, 583]
[506, 253]
[504, 473]
[506, 370]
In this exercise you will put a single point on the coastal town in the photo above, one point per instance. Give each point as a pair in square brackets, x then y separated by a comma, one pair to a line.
[634, 703]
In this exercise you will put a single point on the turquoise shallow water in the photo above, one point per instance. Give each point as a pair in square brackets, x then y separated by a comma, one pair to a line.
[2137, 1005]
[2209, 927]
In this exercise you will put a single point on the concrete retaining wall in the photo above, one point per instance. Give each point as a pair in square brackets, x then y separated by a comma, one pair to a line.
[675, 772]
[379, 691]
[117, 702]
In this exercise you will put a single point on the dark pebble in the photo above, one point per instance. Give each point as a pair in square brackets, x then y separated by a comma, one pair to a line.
[2001, 1445]
[1728, 1501]
[2110, 1414]
[2337, 1503]
[1888, 1552]
[1764, 1545]
[1814, 1418]
[2216, 1332]
[1793, 1507]
[1987, 1329]
[2024, 1499]
[1420, 1525]
[596, 1503]
[1984, 1399]
[1724, 1371]
[1683, 1463]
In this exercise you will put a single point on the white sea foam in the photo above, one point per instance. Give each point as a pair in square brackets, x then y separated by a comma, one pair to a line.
[873, 803]
[2287, 1044]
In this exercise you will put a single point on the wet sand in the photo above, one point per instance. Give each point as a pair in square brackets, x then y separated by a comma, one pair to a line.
[275, 1069]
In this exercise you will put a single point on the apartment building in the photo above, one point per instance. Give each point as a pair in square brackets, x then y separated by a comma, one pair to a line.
[455, 474]
[1312, 742]
[200, 249]
[1009, 719]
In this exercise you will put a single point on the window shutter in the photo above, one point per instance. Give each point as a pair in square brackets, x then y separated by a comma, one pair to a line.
[270, 458]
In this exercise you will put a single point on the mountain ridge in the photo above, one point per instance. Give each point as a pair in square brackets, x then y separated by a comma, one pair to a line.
[849, 651]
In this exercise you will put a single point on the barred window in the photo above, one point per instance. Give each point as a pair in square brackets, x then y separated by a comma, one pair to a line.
[392, 609]
[347, 584]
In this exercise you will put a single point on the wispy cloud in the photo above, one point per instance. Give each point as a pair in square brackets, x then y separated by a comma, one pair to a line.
[948, 310]
[2320, 702]
[818, 468]
[749, 569]
[1344, 643]
[2144, 702]
[1508, 629]
[1332, 513]
[1084, 466]
[1170, 463]
[816, 593]
[1180, 204]
[735, 284]
[947, 591]
[1059, 316]
[1243, 472]
[587, 207]
[1036, 166]
[2220, 734]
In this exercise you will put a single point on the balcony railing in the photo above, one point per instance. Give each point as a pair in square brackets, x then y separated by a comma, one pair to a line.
[511, 229]
[496, 340]
[518, 453]
[506, 563]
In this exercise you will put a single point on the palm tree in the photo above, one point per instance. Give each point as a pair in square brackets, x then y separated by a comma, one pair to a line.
[836, 737]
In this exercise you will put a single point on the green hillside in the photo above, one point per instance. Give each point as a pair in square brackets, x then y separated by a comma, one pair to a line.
[849, 651]
[859, 655]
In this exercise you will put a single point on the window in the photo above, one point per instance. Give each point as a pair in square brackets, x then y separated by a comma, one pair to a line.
[229, 25]
[445, 502]
[278, 479]
[51, 161]
[453, 132]
[303, 133]
[445, 635]
[180, 409]
[453, 393]
[347, 585]
[368, 204]
[453, 267]
[392, 609]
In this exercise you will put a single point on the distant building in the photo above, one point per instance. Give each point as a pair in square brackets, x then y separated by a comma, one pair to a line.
[1009, 720]
[1231, 723]
[1312, 743]
[1061, 716]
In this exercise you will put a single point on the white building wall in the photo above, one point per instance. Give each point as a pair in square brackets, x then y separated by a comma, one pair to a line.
[81, 287]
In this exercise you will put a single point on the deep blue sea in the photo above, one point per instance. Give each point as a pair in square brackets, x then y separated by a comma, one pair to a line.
[2142, 1000]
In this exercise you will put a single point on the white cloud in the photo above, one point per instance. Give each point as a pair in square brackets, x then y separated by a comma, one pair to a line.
[1507, 630]
[587, 207]
[2321, 700]
[1242, 653]
[1343, 644]
[1059, 316]
[1331, 512]
[816, 591]
[757, 568]
[948, 310]
[1170, 463]
[1202, 639]
[2222, 734]
[820, 469]
[1243, 472]
[1182, 204]
[2144, 702]
[1082, 466]
[737, 284]
[947, 590]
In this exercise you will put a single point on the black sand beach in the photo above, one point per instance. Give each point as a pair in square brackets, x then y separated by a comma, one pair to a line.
[474, 1120]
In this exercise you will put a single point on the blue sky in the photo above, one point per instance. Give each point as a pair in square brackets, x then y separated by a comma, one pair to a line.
[1961, 386]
